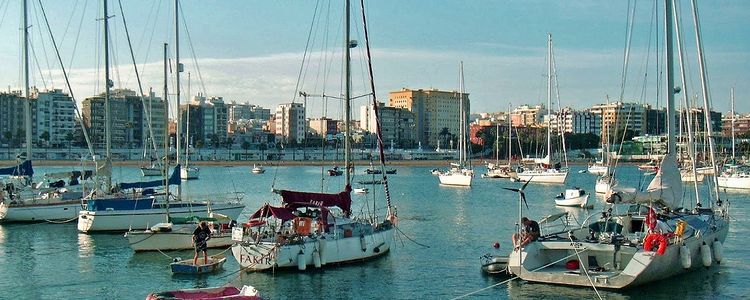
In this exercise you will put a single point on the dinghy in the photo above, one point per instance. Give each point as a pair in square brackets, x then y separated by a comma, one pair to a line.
[186, 266]
[223, 292]
[573, 197]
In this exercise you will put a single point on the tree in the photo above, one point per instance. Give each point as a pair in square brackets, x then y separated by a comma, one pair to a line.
[229, 142]
[69, 137]
[246, 146]
[45, 137]
[444, 135]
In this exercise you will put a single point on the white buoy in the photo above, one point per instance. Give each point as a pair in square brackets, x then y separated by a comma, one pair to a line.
[301, 262]
[316, 258]
[718, 251]
[363, 243]
[685, 257]
[322, 251]
[706, 254]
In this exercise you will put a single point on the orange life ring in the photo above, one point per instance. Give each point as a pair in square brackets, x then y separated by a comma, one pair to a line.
[651, 239]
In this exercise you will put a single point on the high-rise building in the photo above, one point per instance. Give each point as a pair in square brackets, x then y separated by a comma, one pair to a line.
[741, 125]
[573, 121]
[55, 117]
[437, 114]
[247, 112]
[396, 124]
[207, 118]
[129, 119]
[526, 116]
[13, 118]
[698, 120]
[618, 117]
[290, 122]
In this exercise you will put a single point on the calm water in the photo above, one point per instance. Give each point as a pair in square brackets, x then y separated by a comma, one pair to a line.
[454, 226]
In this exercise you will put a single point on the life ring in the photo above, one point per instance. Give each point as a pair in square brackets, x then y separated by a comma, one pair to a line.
[651, 239]
[254, 223]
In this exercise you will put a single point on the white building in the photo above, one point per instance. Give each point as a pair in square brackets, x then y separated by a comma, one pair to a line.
[397, 124]
[55, 116]
[290, 122]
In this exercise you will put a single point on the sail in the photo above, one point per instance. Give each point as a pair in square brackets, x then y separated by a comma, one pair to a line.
[23, 169]
[174, 179]
[293, 199]
[665, 188]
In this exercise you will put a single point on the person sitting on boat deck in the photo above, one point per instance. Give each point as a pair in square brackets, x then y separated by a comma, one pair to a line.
[529, 233]
[201, 235]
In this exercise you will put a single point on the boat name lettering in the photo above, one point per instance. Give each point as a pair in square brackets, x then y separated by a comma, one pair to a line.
[576, 245]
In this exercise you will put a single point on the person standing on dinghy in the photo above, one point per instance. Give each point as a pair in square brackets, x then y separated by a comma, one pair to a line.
[201, 235]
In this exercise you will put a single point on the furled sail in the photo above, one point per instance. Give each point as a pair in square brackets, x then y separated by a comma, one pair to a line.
[174, 179]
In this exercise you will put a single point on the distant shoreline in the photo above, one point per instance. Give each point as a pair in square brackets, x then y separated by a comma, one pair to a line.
[406, 163]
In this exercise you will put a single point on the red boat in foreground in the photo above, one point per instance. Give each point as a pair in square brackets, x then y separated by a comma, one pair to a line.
[216, 293]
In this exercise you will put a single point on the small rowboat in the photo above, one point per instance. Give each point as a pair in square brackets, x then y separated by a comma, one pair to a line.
[224, 292]
[361, 190]
[573, 197]
[186, 266]
[496, 265]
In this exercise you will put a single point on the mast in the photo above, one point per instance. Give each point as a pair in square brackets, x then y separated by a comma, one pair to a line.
[732, 114]
[691, 142]
[347, 97]
[187, 127]
[177, 89]
[549, 98]
[497, 143]
[510, 136]
[669, 85]
[27, 103]
[462, 120]
[706, 102]
[108, 85]
[165, 165]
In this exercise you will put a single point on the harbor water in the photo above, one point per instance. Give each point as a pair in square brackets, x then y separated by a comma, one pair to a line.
[442, 233]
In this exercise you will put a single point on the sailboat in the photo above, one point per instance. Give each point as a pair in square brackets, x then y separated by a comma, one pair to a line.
[545, 171]
[502, 171]
[459, 174]
[121, 211]
[316, 229]
[652, 240]
[734, 176]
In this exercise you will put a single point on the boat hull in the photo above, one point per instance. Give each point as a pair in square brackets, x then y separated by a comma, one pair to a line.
[124, 220]
[455, 179]
[543, 177]
[582, 201]
[59, 211]
[174, 240]
[189, 173]
[266, 255]
[598, 170]
[734, 182]
[151, 172]
[187, 267]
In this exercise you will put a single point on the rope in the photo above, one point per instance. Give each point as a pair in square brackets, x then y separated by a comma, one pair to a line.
[585, 271]
[409, 238]
[61, 222]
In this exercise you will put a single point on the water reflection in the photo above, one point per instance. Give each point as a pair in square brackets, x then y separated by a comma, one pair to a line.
[86, 245]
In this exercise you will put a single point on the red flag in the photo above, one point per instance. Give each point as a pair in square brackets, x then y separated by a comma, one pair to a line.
[651, 219]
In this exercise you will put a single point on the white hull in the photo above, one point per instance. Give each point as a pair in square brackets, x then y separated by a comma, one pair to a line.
[545, 176]
[734, 182]
[598, 169]
[91, 221]
[189, 173]
[151, 171]
[705, 170]
[258, 171]
[332, 250]
[687, 176]
[500, 173]
[644, 266]
[456, 179]
[61, 211]
[582, 201]
[603, 185]
[177, 239]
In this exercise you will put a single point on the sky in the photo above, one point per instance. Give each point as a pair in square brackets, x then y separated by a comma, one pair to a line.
[265, 52]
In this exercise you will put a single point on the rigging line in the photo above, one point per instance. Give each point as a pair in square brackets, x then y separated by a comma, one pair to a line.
[304, 55]
[39, 68]
[560, 124]
[626, 54]
[78, 35]
[153, 31]
[70, 20]
[146, 108]
[647, 61]
[5, 11]
[192, 50]
[67, 83]
[44, 51]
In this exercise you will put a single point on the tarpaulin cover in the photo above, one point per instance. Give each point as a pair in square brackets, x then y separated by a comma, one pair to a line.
[341, 200]
[282, 213]
[23, 169]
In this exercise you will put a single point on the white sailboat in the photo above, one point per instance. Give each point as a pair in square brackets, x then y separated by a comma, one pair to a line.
[459, 174]
[502, 171]
[636, 247]
[257, 169]
[545, 171]
[734, 176]
[573, 197]
[122, 211]
[317, 229]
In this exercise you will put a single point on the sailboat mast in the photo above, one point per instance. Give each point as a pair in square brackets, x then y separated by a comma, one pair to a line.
[462, 120]
[187, 127]
[178, 117]
[706, 102]
[732, 114]
[510, 136]
[108, 85]
[165, 165]
[347, 97]
[549, 97]
[669, 85]
[27, 103]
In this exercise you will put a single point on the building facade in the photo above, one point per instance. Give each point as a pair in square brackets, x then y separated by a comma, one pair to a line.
[245, 111]
[621, 116]
[528, 116]
[397, 124]
[436, 113]
[204, 121]
[129, 119]
[55, 117]
[13, 119]
[290, 122]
